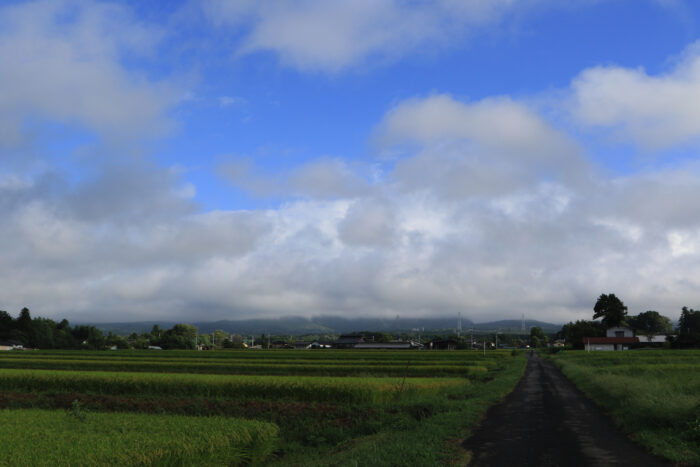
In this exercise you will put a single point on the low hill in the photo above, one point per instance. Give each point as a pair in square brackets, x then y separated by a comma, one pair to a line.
[295, 326]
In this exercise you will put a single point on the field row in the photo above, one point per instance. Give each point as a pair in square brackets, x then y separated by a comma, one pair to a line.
[74, 437]
[322, 368]
[273, 355]
[378, 407]
[299, 388]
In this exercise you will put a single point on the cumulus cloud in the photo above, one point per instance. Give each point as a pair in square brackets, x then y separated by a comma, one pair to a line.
[520, 235]
[323, 178]
[483, 148]
[651, 111]
[369, 223]
[61, 62]
[332, 36]
[483, 207]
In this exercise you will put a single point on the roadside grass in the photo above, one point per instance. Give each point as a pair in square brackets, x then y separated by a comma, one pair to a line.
[653, 395]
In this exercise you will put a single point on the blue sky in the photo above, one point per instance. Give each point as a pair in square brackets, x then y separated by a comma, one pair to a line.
[235, 159]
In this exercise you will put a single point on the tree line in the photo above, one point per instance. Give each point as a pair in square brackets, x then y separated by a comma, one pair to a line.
[612, 312]
[44, 333]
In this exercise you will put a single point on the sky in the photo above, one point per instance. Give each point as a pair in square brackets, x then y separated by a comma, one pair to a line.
[207, 160]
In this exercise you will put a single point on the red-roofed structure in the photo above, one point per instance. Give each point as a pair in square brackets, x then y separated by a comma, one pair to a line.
[609, 343]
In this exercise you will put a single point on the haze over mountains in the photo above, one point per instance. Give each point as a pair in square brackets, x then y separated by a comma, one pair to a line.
[334, 325]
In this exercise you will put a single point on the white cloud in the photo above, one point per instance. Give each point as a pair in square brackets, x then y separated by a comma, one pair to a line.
[489, 147]
[324, 178]
[651, 111]
[488, 208]
[332, 36]
[61, 62]
[499, 125]
[368, 222]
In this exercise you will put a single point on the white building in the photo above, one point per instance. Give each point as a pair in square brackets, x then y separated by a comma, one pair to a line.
[616, 338]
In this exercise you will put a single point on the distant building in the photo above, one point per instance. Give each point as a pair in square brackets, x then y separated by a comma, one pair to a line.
[348, 341]
[389, 345]
[11, 345]
[321, 345]
[656, 339]
[619, 331]
[442, 344]
[616, 338]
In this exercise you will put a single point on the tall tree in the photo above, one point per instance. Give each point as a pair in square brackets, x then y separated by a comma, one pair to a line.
[650, 323]
[689, 328]
[537, 336]
[611, 309]
[573, 333]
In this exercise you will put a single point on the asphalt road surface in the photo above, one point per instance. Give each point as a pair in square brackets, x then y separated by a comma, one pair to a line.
[547, 421]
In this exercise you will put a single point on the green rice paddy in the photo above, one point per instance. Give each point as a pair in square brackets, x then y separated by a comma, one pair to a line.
[246, 407]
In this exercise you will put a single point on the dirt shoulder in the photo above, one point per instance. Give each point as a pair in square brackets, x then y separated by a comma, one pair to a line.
[547, 421]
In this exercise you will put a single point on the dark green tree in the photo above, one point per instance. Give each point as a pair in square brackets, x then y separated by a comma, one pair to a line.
[119, 341]
[573, 333]
[537, 336]
[611, 309]
[650, 323]
[6, 324]
[42, 335]
[689, 328]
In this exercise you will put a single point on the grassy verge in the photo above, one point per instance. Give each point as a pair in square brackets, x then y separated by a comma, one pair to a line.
[652, 395]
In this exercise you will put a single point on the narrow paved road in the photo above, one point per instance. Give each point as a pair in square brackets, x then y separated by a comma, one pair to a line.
[547, 421]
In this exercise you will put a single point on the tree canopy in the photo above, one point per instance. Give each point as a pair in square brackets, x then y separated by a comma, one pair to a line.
[650, 323]
[611, 309]
[573, 333]
[689, 328]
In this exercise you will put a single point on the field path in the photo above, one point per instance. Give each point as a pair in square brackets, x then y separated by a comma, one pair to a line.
[547, 421]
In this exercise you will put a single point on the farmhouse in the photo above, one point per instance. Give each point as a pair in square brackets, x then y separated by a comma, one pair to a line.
[11, 345]
[654, 339]
[389, 345]
[312, 345]
[616, 338]
[348, 341]
[440, 344]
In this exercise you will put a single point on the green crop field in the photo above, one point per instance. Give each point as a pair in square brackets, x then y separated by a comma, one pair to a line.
[231, 407]
[654, 395]
[76, 437]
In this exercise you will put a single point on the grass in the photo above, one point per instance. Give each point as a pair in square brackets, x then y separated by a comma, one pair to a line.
[56, 438]
[653, 395]
[318, 363]
[430, 437]
[322, 420]
[300, 388]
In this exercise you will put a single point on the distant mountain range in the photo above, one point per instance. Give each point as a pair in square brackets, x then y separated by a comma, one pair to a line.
[295, 326]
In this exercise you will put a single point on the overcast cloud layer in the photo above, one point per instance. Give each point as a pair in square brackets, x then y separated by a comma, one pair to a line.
[489, 207]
